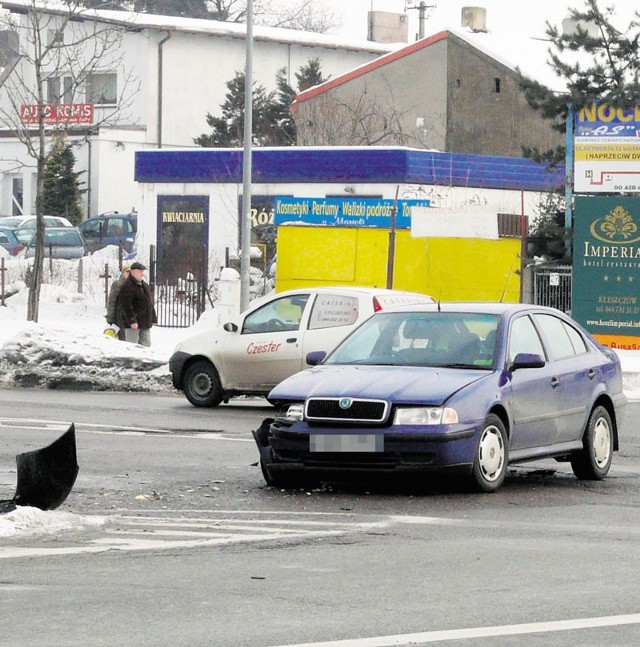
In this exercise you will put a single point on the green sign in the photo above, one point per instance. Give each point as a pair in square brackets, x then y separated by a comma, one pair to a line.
[606, 269]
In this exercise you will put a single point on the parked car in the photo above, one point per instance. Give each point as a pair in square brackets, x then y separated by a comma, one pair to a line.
[254, 351]
[59, 242]
[468, 387]
[110, 229]
[9, 241]
[31, 221]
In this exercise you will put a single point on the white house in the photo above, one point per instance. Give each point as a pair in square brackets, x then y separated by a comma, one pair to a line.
[151, 91]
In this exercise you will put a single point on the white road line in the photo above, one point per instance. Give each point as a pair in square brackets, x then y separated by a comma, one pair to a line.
[478, 632]
[34, 424]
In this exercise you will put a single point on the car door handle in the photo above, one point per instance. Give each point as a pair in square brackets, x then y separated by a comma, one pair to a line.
[554, 382]
[591, 374]
[292, 340]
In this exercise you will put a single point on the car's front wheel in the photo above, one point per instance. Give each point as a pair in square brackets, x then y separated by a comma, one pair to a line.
[592, 463]
[491, 458]
[201, 385]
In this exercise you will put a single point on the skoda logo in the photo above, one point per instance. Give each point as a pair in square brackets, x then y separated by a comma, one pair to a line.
[345, 403]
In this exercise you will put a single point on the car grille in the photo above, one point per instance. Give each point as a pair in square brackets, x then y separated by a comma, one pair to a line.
[346, 409]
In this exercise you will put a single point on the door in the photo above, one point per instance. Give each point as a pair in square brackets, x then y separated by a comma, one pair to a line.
[575, 372]
[534, 394]
[268, 346]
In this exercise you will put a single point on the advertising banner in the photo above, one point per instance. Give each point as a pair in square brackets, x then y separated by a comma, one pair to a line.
[55, 114]
[607, 150]
[606, 269]
[345, 212]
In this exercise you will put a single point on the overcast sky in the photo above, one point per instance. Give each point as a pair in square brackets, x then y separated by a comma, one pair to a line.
[527, 13]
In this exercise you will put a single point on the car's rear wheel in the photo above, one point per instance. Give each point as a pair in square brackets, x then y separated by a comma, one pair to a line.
[592, 463]
[491, 458]
[201, 385]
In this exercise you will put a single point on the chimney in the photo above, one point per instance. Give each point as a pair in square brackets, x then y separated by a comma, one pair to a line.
[474, 18]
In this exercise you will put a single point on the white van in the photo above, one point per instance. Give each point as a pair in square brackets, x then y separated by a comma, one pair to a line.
[251, 353]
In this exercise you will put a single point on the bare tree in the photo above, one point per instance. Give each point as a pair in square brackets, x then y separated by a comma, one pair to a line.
[59, 64]
[305, 15]
[356, 118]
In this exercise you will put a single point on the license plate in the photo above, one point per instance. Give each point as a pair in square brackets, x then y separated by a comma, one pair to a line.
[346, 443]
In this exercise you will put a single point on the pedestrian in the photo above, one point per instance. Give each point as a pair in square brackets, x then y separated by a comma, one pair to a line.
[136, 306]
[114, 312]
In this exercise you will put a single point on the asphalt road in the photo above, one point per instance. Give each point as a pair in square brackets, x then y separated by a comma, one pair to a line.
[177, 541]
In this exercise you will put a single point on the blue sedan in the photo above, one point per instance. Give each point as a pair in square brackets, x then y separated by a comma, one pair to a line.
[470, 387]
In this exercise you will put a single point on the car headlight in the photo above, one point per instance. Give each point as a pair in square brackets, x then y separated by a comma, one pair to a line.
[294, 412]
[425, 416]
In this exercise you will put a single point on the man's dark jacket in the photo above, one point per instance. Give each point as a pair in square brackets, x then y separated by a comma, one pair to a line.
[136, 304]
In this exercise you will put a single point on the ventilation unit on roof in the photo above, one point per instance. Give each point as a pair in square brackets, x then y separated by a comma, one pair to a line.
[387, 27]
[474, 18]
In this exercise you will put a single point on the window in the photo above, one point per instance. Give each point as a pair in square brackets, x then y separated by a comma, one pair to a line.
[56, 37]
[524, 339]
[102, 89]
[17, 192]
[330, 311]
[280, 315]
[496, 84]
[59, 89]
[558, 337]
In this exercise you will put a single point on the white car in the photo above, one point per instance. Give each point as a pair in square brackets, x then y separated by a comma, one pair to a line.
[29, 222]
[268, 342]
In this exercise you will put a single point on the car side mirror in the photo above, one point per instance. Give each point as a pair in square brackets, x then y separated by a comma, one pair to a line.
[527, 360]
[315, 357]
[230, 327]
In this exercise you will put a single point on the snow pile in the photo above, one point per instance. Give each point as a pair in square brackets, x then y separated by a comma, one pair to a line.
[28, 522]
[67, 348]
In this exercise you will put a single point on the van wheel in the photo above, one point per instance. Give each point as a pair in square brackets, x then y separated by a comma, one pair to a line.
[201, 385]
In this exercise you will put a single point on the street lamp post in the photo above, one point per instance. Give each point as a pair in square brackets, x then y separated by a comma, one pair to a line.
[245, 237]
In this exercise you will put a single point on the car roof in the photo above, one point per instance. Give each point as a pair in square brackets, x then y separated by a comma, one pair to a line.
[345, 290]
[483, 307]
[332, 289]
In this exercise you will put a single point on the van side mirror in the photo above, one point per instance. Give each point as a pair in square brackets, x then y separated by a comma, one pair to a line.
[230, 327]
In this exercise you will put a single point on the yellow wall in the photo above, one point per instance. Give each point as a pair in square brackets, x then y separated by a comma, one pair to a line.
[449, 269]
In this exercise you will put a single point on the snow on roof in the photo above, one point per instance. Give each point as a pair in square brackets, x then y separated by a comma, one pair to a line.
[133, 19]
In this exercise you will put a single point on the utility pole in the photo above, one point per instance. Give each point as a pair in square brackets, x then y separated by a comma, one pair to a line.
[245, 216]
[422, 14]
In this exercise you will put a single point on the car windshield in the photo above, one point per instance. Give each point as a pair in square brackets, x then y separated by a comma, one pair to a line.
[449, 339]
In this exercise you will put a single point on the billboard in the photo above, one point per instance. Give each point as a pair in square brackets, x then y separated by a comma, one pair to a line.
[606, 269]
[607, 150]
[345, 212]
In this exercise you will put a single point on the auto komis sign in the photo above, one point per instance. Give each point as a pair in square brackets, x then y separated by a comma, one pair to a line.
[55, 114]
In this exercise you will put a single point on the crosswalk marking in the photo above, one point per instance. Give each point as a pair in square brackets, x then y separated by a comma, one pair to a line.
[137, 532]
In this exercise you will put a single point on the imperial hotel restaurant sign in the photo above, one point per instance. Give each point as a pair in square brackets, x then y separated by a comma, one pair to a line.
[606, 269]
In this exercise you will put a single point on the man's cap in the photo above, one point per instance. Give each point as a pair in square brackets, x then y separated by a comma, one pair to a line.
[137, 266]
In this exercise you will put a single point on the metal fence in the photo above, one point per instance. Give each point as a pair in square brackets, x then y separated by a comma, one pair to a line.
[552, 287]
